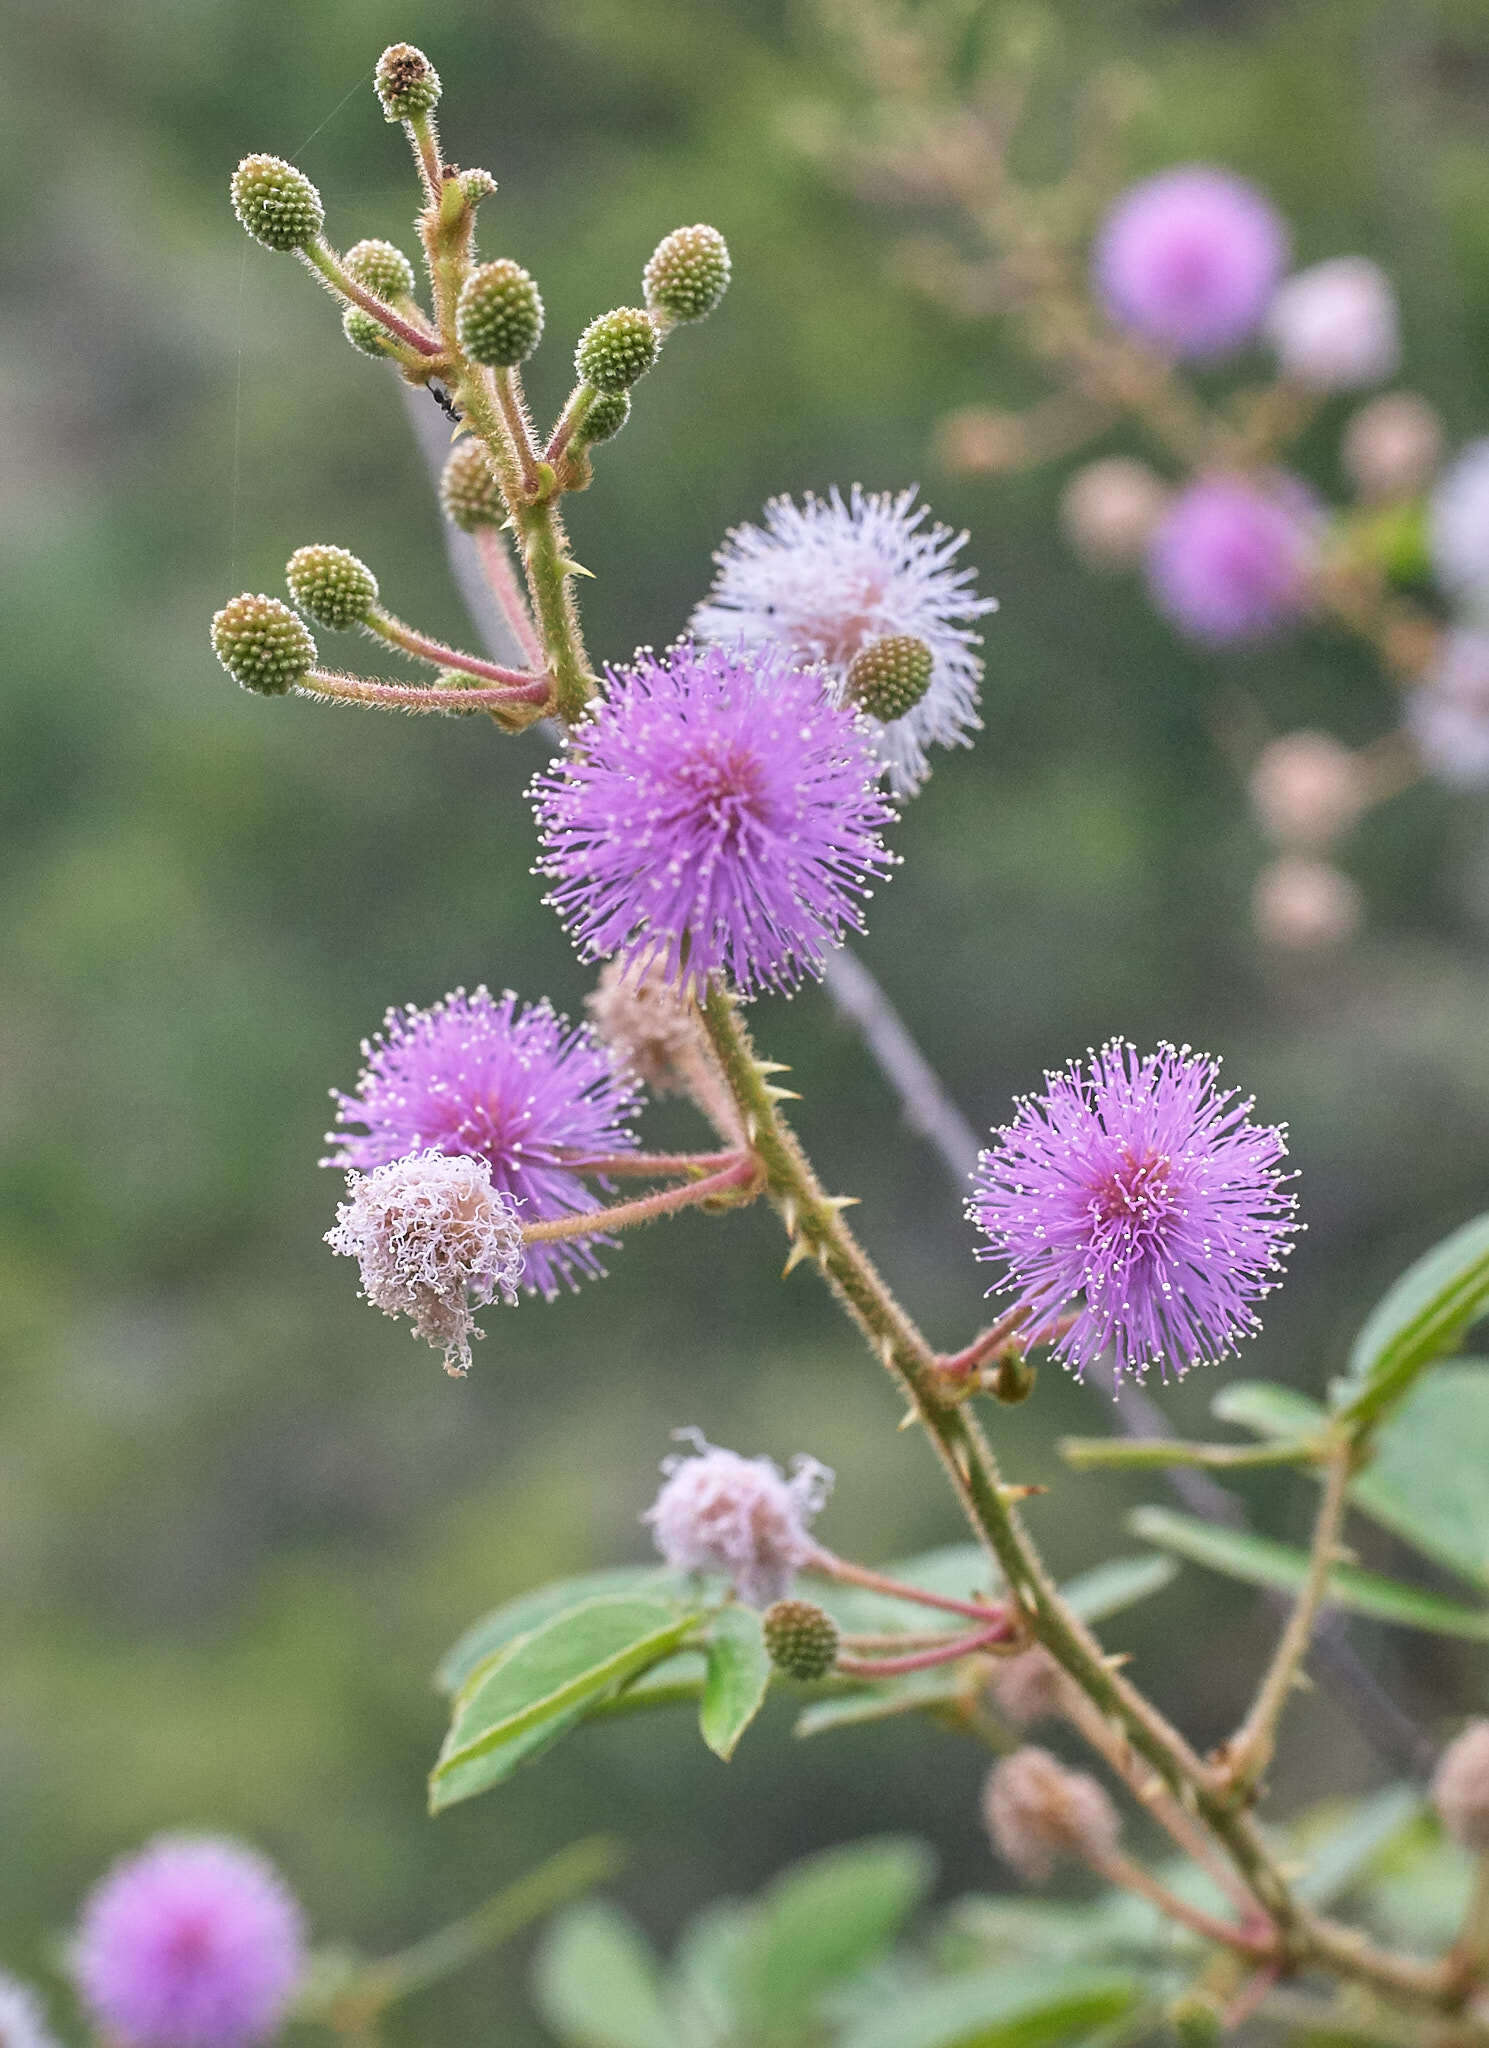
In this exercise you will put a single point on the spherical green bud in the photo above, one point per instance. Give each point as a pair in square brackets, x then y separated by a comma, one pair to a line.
[802, 1640]
[331, 586]
[688, 273]
[890, 676]
[606, 416]
[276, 203]
[382, 268]
[262, 644]
[616, 349]
[500, 315]
[407, 83]
[476, 185]
[365, 333]
[468, 490]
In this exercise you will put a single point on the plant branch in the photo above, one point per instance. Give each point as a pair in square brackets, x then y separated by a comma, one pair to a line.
[918, 1660]
[501, 581]
[423, 647]
[323, 259]
[349, 689]
[1122, 1870]
[734, 1179]
[1089, 1453]
[848, 1574]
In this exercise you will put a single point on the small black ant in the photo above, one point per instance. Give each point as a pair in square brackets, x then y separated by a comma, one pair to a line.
[445, 403]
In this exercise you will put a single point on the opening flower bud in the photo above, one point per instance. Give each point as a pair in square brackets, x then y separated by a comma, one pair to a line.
[500, 315]
[890, 676]
[383, 268]
[468, 490]
[277, 204]
[407, 83]
[801, 1637]
[262, 644]
[476, 185]
[366, 333]
[688, 273]
[1038, 1813]
[1460, 1788]
[331, 586]
[605, 418]
[616, 349]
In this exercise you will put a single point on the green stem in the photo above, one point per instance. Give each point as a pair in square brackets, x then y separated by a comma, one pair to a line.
[1250, 1749]
[1087, 1453]
[813, 1219]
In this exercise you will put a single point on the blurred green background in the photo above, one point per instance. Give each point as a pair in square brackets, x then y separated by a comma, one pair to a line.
[240, 1514]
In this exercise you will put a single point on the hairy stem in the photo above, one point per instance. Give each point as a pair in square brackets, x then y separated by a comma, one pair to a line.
[347, 689]
[646, 1208]
[323, 259]
[424, 648]
[501, 581]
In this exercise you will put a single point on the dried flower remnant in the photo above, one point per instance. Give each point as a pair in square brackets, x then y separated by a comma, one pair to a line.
[1138, 1189]
[1026, 1688]
[519, 1088]
[1460, 1788]
[1304, 905]
[1448, 714]
[714, 814]
[434, 1242]
[823, 579]
[1038, 1813]
[1335, 327]
[718, 1511]
[1189, 260]
[194, 1942]
[1230, 561]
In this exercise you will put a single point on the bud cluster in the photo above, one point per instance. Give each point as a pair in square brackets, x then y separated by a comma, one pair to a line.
[277, 204]
[616, 349]
[331, 586]
[802, 1639]
[262, 644]
[500, 315]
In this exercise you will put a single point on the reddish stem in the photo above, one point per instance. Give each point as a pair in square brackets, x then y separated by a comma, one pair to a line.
[960, 1365]
[839, 1568]
[435, 652]
[923, 1660]
[501, 581]
[620, 1215]
[345, 689]
[321, 257]
[639, 1163]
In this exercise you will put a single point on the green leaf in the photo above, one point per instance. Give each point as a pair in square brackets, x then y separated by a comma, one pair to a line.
[1342, 1849]
[520, 1616]
[705, 1968]
[823, 1921]
[554, 1673]
[1119, 1583]
[738, 1676]
[1260, 1562]
[1268, 1410]
[1421, 1317]
[595, 1981]
[1429, 1479]
[999, 2008]
[677, 1681]
[916, 1692]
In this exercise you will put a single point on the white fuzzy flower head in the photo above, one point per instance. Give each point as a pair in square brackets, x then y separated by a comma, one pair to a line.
[22, 2022]
[435, 1241]
[824, 578]
[1458, 526]
[1335, 326]
[720, 1512]
[1448, 713]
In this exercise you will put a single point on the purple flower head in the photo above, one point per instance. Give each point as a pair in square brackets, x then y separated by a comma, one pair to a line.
[720, 1512]
[1189, 260]
[715, 814]
[823, 579]
[1230, 560]
[193, 1943]
[521, 1089]
[1138, 1195]
[1448, 713]
[22, 2021]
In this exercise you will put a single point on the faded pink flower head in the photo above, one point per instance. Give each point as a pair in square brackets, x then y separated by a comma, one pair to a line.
[435, 1242]
[718, 1511]
[194, 1942]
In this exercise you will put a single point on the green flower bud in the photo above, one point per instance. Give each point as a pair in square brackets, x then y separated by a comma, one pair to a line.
[616, 349]
[606, 416]
[802, 1640]
[382, 268]
[468, 490]
[500, 315]
[407, 83]
[476, 185]
[688, 273]
[262, 644]
[331, 586]
[276, 203]
[890, 676]
[366, 333]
